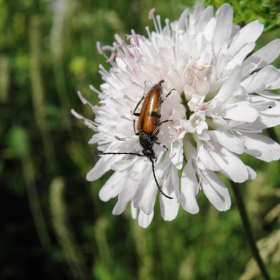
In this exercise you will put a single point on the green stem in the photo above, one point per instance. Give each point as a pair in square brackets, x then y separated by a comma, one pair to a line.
[248, 230]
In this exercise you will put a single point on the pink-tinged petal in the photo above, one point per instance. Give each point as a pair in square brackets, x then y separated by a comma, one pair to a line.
[248, 34]
[215, 190]
[119, 208]
[270, 150]
[231, 165]
[113, 186]
[231, 85]
[227, 140]
[264, 56]
[100, 168]
[144, 220]
[223, 26]
[241, 112]
[207, 160]
[189, 189]
[149, 197]
[169, 207]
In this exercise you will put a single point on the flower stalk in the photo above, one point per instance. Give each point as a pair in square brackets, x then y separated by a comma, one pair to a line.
[248, 230]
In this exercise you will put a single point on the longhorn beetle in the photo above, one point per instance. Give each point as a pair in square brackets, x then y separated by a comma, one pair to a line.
[148, 126]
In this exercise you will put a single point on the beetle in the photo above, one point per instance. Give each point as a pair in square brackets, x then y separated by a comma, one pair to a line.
[148, 126]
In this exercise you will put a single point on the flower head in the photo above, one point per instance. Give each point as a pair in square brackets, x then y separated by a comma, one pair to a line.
[219, 106]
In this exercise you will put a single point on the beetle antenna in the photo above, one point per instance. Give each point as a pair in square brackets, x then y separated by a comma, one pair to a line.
[159, 188]
[101, 154]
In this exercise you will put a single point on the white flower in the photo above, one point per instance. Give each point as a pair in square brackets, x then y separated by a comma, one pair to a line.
[226, 100]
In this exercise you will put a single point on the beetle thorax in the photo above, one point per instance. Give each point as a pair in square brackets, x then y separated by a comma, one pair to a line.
[147, 142]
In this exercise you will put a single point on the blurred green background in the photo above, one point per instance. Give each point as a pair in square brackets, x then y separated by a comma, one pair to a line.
[53, 225]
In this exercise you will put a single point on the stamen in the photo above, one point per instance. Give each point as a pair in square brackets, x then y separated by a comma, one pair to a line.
[98, 46]
[75, 114]
[90, 125]
[120, 139]
[84, 101]
[148, 32]
[170, 158]
[159, 23]
[167, 25]
[126, 118]
[151, 13]
[94, 89]
[111, 58]
[116, 101]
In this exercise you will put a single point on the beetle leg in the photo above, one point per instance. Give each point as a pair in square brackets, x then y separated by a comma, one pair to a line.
[156, 130]
[136, 133]
[162, 146]
[162, 100]
[169, 92]
[138, 114]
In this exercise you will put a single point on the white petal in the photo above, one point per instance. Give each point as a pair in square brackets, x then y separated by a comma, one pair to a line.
[175, 183]
[95, 138]
[141, 188]
[231, 165]
[270, 150]
[168, 207]
[215, 190]
[275, 85]
[268, 118]
[241, 111]
[253, 152]
[223, 26]
[252, 173]
[149, 197]
[261, 80]
[268, 94]
[207, 160]
[248, 34]
[134, 211]
[128, 191]
[189, 189]
[113, 186]
[264, 56]
[227, 140]
[119, 208]
[239, 57]
[231, 84]
[144, 220]
[100, 168]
